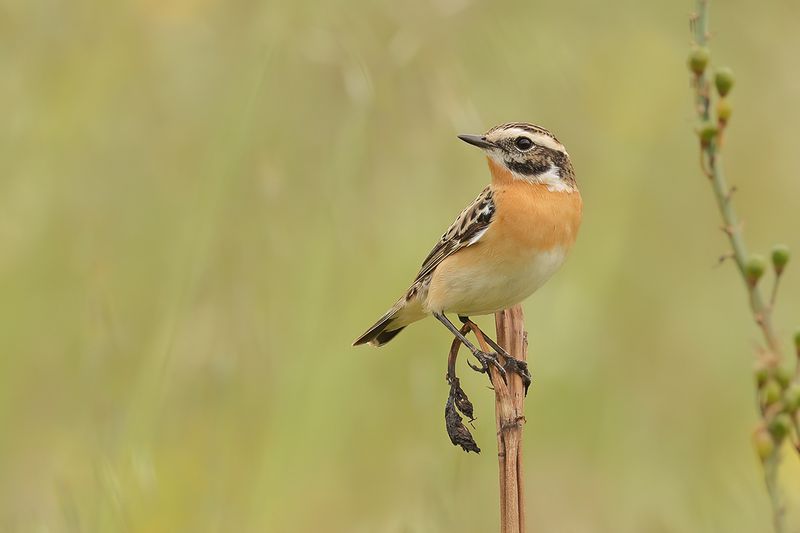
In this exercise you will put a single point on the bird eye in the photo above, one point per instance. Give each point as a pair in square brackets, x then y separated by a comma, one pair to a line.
[523, 143]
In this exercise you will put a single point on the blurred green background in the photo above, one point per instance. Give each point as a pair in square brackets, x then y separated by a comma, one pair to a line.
[203, 202]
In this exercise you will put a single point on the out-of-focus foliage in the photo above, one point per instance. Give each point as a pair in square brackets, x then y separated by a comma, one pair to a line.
[203, 202]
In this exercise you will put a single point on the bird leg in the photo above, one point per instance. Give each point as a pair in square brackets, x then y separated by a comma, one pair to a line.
[484, 358]
[512, 363]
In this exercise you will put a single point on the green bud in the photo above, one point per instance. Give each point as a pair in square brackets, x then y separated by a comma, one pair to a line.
[780, 426]
[754, 268]
[783, 376]
[761, 373]
[698, 60]
[797, 341]
[723, 80]
[707, 131]
[724, 110]
[771, 392]
[791, 397]
[780, 256]
[762, 442]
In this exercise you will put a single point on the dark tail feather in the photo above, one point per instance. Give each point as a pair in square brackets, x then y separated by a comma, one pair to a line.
[385, 336]
[380, 333]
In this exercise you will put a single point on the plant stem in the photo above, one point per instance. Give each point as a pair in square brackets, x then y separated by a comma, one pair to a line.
[771, 465]
[509, 404]
[509, 414]
[710, 153]
[722, 191]
[761, 311]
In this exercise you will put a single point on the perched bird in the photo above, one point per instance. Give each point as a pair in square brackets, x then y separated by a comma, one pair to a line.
[506, 244]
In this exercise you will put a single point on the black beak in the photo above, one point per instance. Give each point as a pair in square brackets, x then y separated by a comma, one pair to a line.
[477, 140]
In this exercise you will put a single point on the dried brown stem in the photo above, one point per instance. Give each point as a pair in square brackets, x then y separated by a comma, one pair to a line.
[509, 414]
[457, 401]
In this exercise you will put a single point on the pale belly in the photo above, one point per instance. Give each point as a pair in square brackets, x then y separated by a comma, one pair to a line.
[484, 284]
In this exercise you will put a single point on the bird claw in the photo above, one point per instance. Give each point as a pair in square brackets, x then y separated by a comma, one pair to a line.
[482, 369]
[488, 359]
[512, 364]
[520, 368]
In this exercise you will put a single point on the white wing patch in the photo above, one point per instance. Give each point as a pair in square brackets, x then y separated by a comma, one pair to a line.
[477, 236]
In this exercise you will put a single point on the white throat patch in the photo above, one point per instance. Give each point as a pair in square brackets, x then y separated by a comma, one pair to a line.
[552, 178]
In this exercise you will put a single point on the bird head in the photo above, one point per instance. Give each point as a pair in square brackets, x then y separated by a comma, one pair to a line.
[527, 152]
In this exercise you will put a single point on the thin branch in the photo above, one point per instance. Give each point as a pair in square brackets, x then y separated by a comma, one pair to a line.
[774, 296]
[724, 257]
[722, 192]
[771, 467]
[711, 164]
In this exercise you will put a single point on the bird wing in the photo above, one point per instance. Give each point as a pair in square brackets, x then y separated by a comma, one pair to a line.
[467, 229]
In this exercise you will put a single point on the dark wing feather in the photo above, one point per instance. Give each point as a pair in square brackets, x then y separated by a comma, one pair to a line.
[466, 230]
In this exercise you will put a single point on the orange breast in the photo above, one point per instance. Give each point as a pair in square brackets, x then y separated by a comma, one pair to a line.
[531, 217]
[529, 237]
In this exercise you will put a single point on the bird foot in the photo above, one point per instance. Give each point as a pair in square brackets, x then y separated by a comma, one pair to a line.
[512, 364]
[486, 360]
[519, 368]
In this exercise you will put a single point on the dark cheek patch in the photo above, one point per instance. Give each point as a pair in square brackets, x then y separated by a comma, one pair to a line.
[528, 168]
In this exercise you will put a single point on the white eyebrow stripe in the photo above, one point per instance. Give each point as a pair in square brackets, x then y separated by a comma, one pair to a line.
[539, 138]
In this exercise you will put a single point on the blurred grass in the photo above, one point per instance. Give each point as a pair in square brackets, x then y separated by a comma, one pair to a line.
[203, 202]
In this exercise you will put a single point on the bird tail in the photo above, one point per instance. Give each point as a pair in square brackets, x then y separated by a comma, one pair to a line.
[389, 325]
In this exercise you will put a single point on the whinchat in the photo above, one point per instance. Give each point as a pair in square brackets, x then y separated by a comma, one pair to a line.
[506, 244]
